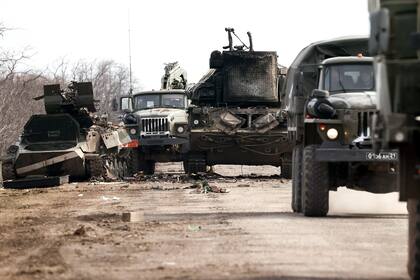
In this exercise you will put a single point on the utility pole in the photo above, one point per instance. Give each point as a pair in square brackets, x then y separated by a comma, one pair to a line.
[129, 54]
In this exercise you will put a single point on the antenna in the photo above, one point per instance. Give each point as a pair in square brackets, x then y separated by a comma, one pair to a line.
[129, 54]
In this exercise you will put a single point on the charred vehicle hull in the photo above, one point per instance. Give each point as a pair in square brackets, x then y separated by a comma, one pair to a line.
[65, 141]
[221, 143]
[236, 117]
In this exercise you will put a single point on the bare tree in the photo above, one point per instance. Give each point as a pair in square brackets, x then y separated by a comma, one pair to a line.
[110, 79]
[18, 85]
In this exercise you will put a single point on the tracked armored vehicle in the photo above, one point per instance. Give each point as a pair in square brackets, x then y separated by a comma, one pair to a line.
[64, 141]
[236, 116]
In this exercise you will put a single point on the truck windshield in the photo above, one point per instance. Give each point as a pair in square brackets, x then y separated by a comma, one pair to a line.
[349, 78]
[149, 101]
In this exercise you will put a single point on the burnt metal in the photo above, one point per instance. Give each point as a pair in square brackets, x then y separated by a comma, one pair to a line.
[36, 182]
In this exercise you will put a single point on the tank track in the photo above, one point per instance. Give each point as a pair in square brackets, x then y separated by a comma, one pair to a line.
[95, 168]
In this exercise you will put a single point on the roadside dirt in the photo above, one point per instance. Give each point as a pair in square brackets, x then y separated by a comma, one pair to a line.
[76, 231]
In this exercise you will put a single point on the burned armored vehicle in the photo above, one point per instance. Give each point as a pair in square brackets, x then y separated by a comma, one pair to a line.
[330, 96]
[64, 141]
[236, 116]
[395, 42]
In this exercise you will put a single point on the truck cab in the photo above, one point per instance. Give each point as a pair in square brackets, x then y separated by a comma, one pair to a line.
[157, 123]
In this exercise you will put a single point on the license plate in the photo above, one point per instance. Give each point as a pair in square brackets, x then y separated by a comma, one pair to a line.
[382, 156]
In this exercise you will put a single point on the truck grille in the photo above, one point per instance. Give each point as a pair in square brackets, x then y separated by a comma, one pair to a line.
[154, 125]
[364, 120]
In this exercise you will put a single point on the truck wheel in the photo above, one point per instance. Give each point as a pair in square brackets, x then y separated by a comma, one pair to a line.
[195, 165]
[133, 162]
[185, 165]
[95, 167]
[315, 184]
[413, 207]
[297, 179]
[286, 171]
[8, 171]
[149, 167]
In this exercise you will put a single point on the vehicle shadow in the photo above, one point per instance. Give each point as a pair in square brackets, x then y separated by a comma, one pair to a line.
[265, 215]
[316, 278]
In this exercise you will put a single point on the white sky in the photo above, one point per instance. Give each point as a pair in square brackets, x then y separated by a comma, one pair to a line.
[164, 31]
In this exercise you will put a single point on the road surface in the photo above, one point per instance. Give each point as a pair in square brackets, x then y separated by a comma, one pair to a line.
[76, 231]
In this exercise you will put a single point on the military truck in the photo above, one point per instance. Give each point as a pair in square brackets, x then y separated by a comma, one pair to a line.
[395, 42]
[330, 98]
[157, 124]
[236, 116]
[66, 140]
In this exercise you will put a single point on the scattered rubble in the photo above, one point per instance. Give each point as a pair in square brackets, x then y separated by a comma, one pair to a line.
[194, 228]
[133, 217]
[204, 187]
[80, 231]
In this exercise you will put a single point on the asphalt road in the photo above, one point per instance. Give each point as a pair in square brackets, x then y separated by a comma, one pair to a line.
[76, 231]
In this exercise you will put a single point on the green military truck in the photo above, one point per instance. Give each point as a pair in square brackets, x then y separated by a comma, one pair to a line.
[395, 42]
[330, 97]
[157, 124]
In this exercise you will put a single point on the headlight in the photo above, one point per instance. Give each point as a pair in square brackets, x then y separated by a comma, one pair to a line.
[180, 129]
[332, 133]
[133, 131]
[196, 122]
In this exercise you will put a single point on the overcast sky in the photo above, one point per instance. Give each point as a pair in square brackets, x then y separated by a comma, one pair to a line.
[164, 31]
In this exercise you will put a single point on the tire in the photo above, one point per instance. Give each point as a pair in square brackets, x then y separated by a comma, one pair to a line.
[8, 171]
[413, 265]
[149, 167]
[185, 165]
[95, 167]
[286, 171]
[315, 187]
[297, 179]
[133, 163]
[195, 166]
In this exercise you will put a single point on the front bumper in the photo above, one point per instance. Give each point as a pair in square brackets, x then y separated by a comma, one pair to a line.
[161, 141]
[347, 154]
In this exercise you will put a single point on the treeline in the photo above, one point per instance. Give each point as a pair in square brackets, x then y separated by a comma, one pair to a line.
[19, 85]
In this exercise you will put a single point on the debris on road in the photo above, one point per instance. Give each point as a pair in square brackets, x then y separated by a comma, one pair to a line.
[80, 231]
[133, 217]
[204, 187]
[36, 182]
[106, 198]
[194, 228]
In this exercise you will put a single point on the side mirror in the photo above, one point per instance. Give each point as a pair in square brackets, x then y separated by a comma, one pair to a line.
[319, 93]
[126, 104]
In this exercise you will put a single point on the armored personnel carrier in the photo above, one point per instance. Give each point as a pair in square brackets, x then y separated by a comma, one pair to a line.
[64, 141]
[330, 96]
[236, 116]
[395, 42]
